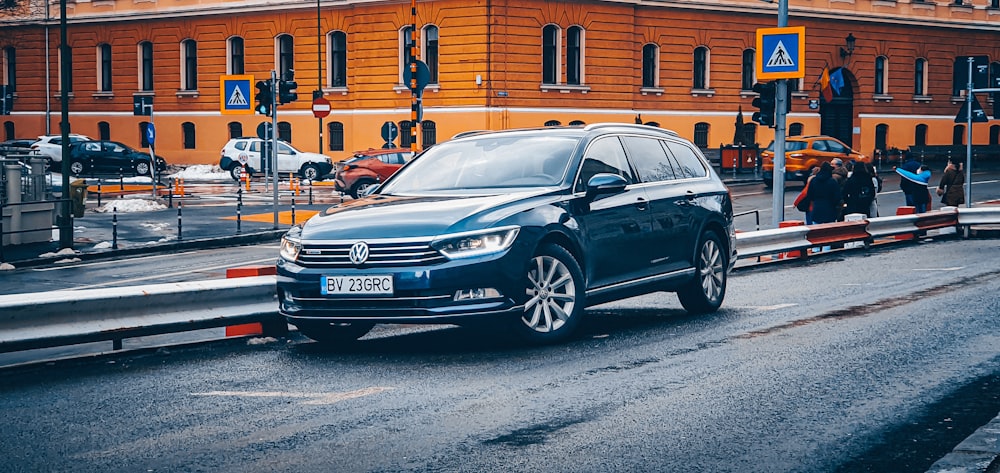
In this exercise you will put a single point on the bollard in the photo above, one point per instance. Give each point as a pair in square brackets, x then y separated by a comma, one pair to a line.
[98, 192]
[785, 224]
[310, 192]
[905, 210]
[239, 207]
[244, 177]
[170, 193]
[114, 228]
[121, 180]
[180, 187]
[293, 210]
[180, 205]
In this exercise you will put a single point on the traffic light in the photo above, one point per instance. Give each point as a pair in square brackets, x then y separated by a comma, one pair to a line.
[764, 102]
[286, 88]
[264, 97]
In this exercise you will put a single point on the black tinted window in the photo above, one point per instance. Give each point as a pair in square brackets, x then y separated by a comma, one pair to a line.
[604, 155]
[689, 165]
[649, 158]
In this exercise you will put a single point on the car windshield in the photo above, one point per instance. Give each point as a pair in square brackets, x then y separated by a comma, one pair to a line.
[789, 146]
[486, 162]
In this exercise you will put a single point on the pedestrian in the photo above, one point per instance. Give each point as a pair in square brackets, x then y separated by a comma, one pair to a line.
[840, 175]
[914, 185]
[952, 186]
[910, 165]
[877, 183]
[824, 193]
[802, 202]
[859, 192]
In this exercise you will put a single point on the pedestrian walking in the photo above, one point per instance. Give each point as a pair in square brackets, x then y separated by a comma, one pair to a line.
[859, 192]
[952, 185]
[914, 185]
[877, 184]
[825, 195]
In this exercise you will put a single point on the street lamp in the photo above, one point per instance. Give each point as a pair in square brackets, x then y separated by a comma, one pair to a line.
[849, 50]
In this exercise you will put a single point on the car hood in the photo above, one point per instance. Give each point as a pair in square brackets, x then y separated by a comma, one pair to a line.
[314, 157]
[381, 216]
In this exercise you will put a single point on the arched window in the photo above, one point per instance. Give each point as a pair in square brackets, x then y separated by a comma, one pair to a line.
[285, 132]
[235, 57]
[286, 55]
[10, 67]
[700, 68]
[795, 129]
[429, 132]
[187, 129]
[881, 132]
[235, 129]
[920, 135]
[881, 79]
[337, 62]
[958, 135]
[146, 66]
[405, 140]
[104, 71]
[335, 131]
[749, 70]
[650, 65]
[553, 123]
[750, 133]
[430, 51]
[574, 55]
[103, 131]
[550, 54]
[405, 42]
[701, 134]
[143, 142]
[920, 77]
[189, 64]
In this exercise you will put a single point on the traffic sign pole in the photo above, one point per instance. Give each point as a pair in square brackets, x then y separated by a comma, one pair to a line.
[778, 189]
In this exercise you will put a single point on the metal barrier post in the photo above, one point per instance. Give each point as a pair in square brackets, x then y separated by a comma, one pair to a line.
[293, 210]
[239, 207]
[114, 228]
[310, 192]
[98, 192]
[180, 205]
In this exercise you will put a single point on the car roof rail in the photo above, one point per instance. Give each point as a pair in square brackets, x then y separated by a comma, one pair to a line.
[597, 126]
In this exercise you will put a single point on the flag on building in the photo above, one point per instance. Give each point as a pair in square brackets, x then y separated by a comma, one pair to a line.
[837, 80]
[824, 85]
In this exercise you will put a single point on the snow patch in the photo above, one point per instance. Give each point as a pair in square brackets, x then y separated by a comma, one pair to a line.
[130, 206]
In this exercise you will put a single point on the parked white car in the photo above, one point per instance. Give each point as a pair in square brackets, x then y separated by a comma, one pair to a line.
[50, 146]
[240, 152]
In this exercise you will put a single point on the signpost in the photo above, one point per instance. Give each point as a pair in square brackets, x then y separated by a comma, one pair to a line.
[321, 107]
[389, 132]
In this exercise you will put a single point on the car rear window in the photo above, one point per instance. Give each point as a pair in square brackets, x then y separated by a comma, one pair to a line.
[689, 163]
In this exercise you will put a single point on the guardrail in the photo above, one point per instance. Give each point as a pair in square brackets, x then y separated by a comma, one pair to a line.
[57, 318]
[48, 319]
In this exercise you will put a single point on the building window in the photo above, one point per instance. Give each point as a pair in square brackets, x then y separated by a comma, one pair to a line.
[650, 65]
[750, 133]
[920, 77]
[920, 135]
[700, 68]
[8, 130]
[103, 131]
[286, 55]
[574, 55]
[285, 132]
[10, 67]
[994, 76]
[143, 142]
[68, 50]
[795, 129]
[994, 3]
[995, 133]
[881, 132]
[235, 129]
[577, 123]
[146, 66]
[104, 59]
[335, 130]
[958, 135]
[880, 75]
[189, 64]
[701, 135]
[337, 62]
[187, 130]
[430, 52]
[793, 85]
[553, 123]
[749, 70]
[236, 56]
[550, 54]
[405, 51]
[429, 131]
[405, 140]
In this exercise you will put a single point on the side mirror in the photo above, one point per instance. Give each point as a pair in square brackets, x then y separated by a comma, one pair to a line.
[605, 183]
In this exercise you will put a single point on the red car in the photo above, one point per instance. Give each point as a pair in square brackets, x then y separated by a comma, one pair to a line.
[367, 168]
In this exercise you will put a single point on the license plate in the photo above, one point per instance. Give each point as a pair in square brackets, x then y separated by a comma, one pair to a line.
[356, 285]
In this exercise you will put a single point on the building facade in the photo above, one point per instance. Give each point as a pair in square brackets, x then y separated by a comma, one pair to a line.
[686, 65]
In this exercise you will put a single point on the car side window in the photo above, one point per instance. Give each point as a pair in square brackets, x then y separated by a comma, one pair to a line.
[91, 146]
[604, 155]
[284, 149]
[836, 147]
[241, 145]
[116, 148]
[820, 145]
[255, 147]
[688, 163]
[649, 158]
[398, 158]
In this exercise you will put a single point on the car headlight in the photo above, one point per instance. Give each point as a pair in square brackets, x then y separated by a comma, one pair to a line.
[290, 247]
[478, 243]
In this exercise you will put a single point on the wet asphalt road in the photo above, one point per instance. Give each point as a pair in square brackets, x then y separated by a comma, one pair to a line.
[877, 362]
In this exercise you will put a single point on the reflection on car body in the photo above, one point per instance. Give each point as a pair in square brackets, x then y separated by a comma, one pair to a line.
[523, 228]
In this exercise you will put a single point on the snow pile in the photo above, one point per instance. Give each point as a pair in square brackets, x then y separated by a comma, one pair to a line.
[202, 172]
[130, 205]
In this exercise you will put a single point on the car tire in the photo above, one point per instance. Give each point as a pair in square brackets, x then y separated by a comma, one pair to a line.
[335, 333]
[77, 167]
[310, 171]
[707, 289]
[236, 170]
[360, 186]
[554, 296]
[142, 168]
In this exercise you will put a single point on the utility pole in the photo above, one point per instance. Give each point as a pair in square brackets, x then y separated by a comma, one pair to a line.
[65, 216]
[781, 97]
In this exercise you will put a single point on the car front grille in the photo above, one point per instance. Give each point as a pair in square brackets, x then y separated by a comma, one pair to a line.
[380, 255]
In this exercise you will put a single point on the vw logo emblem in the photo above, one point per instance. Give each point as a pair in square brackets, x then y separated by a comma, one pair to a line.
[358, 253]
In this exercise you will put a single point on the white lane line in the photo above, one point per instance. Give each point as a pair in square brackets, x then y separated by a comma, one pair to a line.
[312, 399]
[775, 307]
[168, 275]
[956, 268]
[111, 262]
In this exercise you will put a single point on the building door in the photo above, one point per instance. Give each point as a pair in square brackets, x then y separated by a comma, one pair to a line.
[837, 116]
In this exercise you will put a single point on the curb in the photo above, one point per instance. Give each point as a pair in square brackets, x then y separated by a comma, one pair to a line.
[978, 453]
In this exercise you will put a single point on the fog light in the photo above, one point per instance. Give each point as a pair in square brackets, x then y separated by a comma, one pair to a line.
[478, 293]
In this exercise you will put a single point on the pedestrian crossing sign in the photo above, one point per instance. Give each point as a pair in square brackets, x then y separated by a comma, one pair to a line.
[234, 95]
[781, 53]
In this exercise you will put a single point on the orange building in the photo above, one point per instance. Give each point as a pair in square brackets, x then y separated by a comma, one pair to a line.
[493, 64]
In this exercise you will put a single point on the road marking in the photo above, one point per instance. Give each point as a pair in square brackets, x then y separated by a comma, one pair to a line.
[99, 263]
[312, 399]
[956, 268]
[775, 307]
[167, 275]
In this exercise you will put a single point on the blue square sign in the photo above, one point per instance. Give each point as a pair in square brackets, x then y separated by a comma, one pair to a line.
[781, 53]
[234, 95]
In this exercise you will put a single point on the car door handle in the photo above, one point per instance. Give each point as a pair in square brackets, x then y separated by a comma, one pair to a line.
[641, 204]
[690, 195]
